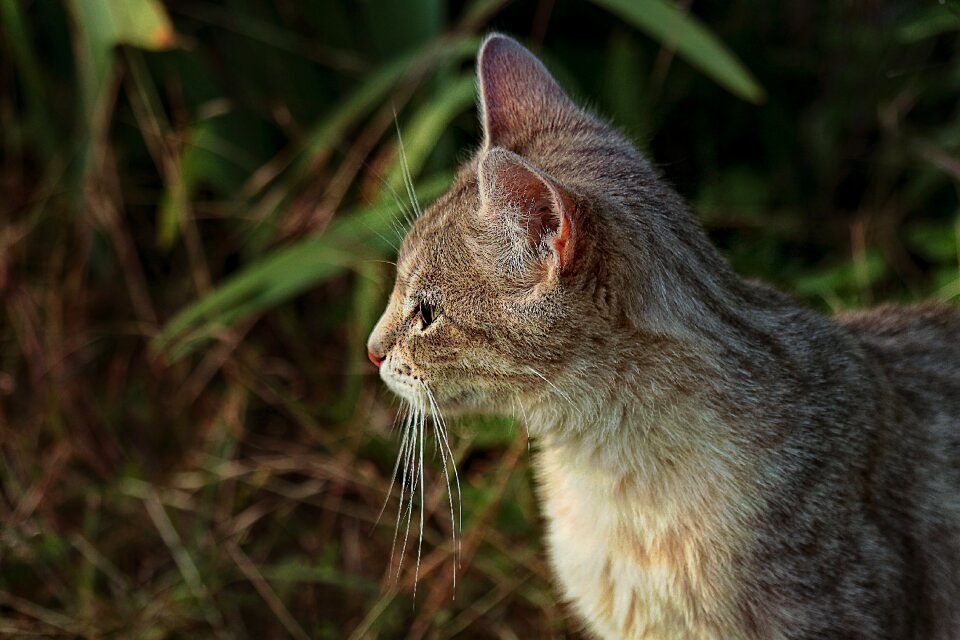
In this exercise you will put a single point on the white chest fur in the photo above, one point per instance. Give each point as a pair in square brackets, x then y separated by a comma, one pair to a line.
[640, 559]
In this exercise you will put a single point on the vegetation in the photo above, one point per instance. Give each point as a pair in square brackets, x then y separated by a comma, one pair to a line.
[198, 213]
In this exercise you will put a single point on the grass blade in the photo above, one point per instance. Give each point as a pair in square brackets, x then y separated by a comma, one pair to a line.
[694, 42]
[287, 272]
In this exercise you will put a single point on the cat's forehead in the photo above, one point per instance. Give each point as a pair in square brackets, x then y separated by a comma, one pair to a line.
[418, 248]
[423, 258]
[438, 231]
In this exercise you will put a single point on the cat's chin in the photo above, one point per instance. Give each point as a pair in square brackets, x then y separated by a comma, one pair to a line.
[455, 404]
[409, 393]
[463, 402]
[463, 409]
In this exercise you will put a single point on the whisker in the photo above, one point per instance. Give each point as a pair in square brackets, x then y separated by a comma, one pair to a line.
[405, 170]
[523, 417]
[380, 261]
[423, 499]
[398, 229]
[414, 476]
[441, 437]
[396, 467]
[405, 211]
[408, 426]
[408, 213]
[440, 433]
[410, 468]
[557, 389]
[441, 423]
[389, 187]
[396, 418]
[388, 241]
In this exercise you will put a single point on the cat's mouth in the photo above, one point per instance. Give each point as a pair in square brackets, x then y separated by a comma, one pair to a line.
[448, 397]
[411, 391]
[422, 397]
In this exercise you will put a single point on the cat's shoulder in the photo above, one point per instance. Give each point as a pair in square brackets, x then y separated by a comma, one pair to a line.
[930, 320]
[918, 346]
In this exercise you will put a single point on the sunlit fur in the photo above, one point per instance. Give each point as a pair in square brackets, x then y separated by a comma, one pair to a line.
[714, 461]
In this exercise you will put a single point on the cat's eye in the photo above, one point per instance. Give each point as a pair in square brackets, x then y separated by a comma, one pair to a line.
[428, 314]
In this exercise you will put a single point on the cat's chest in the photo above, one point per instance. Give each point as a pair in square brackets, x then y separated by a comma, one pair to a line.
[637, 565]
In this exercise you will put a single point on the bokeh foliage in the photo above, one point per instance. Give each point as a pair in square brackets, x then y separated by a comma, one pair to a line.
[200, 200]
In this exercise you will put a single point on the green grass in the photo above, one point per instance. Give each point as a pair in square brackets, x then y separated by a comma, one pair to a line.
[197, 219]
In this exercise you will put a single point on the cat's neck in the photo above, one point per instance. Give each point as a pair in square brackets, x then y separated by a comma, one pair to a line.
[640, 528]
[626, 436]
[735, 360]
[648, 481]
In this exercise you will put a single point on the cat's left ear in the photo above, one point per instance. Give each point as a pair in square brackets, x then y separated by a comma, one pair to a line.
[517, 93]
[534, 212]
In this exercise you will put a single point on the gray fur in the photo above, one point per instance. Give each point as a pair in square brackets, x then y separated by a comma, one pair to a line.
[838, 437]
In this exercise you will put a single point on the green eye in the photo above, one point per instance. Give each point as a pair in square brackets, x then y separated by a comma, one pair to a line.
[428, 314]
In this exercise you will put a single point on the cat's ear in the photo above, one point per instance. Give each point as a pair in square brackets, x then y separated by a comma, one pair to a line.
[517, 93]
[531, 211]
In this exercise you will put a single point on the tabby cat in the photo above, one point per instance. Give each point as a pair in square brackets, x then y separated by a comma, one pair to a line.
[714, 460]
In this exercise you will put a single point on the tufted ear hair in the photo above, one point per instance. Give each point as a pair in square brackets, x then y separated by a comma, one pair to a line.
[517, 93]
[531, 210]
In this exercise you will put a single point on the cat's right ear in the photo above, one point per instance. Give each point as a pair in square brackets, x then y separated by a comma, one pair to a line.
[517, 93]
[530, 214]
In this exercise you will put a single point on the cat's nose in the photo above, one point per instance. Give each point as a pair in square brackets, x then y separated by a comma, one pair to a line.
[375, 358]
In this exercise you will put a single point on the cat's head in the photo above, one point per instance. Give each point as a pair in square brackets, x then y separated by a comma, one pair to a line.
[529, 275]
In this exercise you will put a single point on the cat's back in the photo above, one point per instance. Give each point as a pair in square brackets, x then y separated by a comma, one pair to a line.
[918, 347]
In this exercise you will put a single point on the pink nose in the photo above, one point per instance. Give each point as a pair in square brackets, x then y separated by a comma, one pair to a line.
[374, 358]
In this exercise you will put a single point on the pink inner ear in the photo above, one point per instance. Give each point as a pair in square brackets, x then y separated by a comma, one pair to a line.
[549, 217]
[561, 241]
[537, 208]
[542, 222]
[543, 206]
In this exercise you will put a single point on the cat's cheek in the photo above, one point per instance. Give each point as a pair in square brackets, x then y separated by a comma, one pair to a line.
[458, 409]
[468, 402]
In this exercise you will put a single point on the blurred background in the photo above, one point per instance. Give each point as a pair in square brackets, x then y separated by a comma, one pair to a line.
[197, 214]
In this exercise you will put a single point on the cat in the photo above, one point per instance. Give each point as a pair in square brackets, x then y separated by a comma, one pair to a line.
[713, 459]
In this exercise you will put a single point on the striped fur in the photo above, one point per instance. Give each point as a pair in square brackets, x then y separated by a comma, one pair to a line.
[714, 461]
